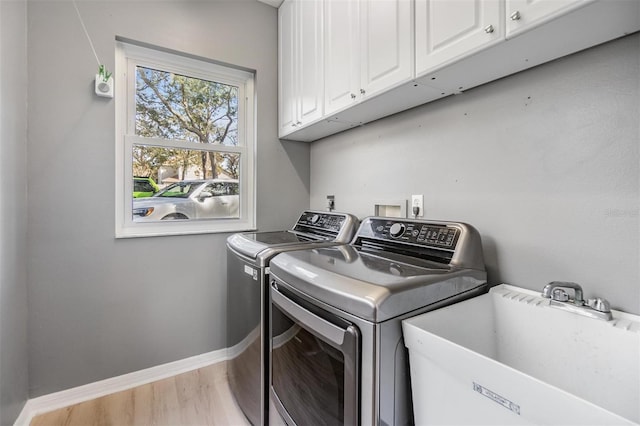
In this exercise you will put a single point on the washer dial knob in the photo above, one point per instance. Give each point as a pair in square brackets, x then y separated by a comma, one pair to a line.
[396, 230]
[314, 218]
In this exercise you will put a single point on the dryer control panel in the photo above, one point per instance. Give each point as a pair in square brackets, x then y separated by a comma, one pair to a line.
[339, 227]
[421, 233]
[320, 220]
[452, 243]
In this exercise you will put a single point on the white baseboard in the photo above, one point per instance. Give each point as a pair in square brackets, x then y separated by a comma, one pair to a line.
[54, 401]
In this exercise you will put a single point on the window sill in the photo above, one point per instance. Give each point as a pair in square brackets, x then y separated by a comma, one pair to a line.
[163, 229]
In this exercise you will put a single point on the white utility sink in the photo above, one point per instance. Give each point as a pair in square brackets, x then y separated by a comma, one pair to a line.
[508, 358]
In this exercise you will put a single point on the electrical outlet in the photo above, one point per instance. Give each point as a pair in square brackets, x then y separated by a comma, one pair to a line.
[417, 201]
[331, 202]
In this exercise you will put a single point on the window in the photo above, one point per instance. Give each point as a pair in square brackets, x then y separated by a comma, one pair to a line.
[184, 145]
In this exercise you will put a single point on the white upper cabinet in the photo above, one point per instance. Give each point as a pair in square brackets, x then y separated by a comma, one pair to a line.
[341, 58]
[448, 30]
[523, 15]
[287, 100]
[311, 64]
[386, 44]
[368, 49]
[300, 64]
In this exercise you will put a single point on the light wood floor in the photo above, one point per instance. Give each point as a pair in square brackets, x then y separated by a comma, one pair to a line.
[199, 397]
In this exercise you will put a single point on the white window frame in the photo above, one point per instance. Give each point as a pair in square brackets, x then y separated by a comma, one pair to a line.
[128, 56]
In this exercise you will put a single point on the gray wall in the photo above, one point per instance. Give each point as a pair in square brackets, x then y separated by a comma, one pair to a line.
[101, 307]
[13, 208]
[544, 163]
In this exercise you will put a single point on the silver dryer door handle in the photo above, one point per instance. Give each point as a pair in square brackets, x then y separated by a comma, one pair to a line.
[329, 331]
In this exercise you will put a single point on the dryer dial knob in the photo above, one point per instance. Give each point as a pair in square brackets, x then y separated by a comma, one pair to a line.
[396, 230]
[314, 218]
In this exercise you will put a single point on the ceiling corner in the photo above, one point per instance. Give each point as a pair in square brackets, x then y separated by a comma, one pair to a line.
[274, 3]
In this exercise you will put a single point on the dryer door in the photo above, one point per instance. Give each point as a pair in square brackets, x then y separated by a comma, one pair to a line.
[315, 362]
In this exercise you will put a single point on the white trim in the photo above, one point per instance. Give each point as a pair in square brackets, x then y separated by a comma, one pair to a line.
[128, 56]
[54, 401]
[131, 140]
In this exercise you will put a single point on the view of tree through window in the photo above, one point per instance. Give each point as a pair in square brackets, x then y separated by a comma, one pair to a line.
[171, 106]
[175, 107]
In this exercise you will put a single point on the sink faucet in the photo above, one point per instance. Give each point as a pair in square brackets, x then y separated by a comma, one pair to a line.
[594, 308]
[548, 290]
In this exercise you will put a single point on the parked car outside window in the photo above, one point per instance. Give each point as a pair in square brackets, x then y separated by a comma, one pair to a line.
[144, 187]
[190, 199]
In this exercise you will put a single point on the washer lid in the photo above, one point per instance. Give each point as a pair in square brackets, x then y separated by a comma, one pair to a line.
[373, 286]
[252, 243]
[312, 227]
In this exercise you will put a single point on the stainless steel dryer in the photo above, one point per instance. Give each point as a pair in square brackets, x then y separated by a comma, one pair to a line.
[248, 257]
[337, 354]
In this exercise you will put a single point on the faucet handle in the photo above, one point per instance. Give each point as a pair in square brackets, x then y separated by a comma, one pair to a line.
[548, 290]
[560, 295]
[599, 304]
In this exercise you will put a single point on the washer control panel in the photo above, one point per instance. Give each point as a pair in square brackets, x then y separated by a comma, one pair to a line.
[316, 220]
[413, 232]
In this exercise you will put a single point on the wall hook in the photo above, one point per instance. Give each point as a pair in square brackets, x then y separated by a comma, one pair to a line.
[104, 83]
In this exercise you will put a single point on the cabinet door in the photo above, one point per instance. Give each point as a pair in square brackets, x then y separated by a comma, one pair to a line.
[310, 54]
[342, 70]
[287, 100]
[386, 40]
[447, 30]
[523, 15]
